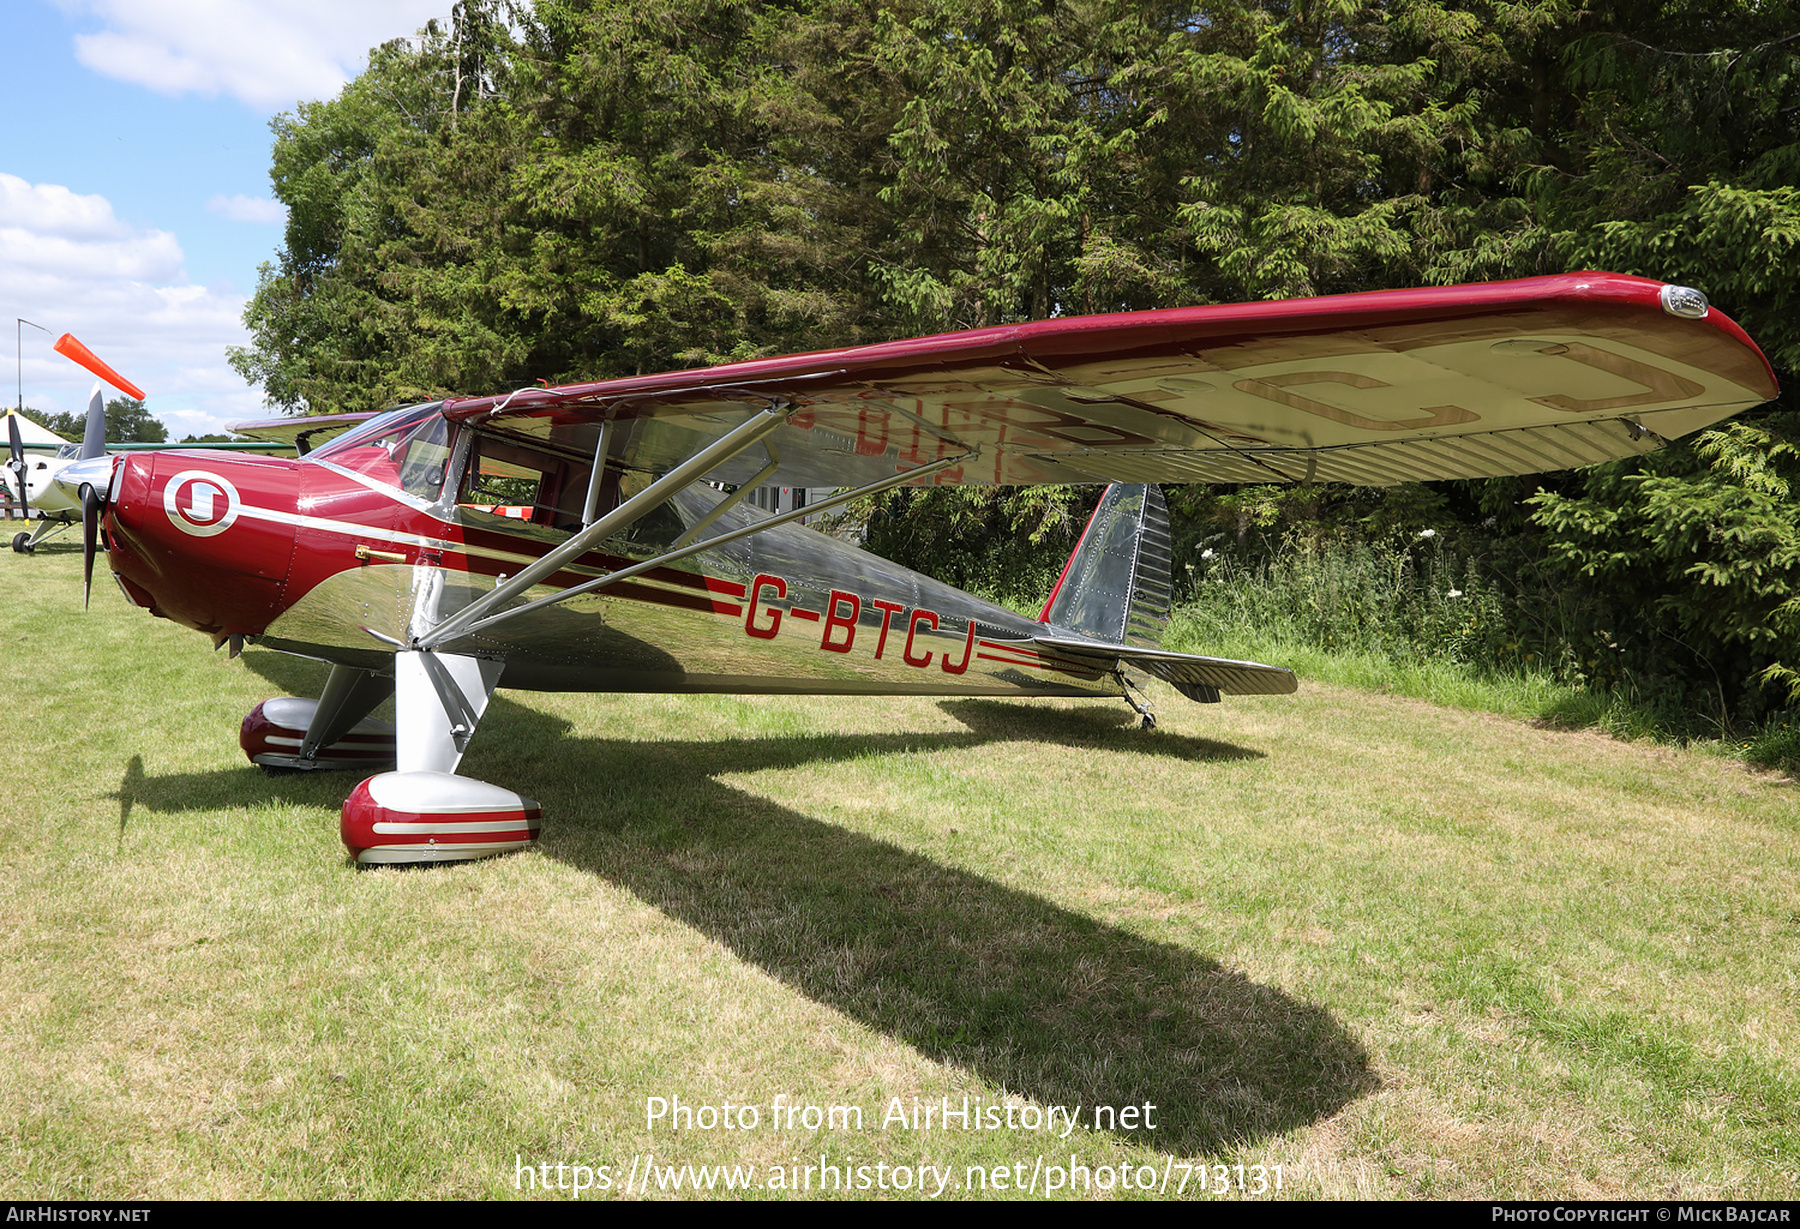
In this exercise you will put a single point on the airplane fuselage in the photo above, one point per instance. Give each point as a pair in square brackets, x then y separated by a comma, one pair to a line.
[48, 501]
[314, 558]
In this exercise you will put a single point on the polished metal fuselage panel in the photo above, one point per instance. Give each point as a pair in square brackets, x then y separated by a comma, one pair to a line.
[787, 611]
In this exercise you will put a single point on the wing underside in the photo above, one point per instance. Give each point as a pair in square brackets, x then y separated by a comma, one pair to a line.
[302, 433]
[1393, 386]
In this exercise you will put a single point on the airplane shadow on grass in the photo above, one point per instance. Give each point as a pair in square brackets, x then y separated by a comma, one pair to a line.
[1033, 998]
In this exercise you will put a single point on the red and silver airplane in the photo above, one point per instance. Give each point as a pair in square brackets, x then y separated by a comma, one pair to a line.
[642, 567]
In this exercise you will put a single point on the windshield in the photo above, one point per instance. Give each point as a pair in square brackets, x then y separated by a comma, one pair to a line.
[407, 449]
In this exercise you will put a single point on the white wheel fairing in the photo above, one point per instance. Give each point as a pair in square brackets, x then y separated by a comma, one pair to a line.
[191, 501]
[425, 817]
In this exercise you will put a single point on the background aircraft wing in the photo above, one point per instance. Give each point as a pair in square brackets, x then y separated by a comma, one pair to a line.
[303, 433]
[209, 446]
[32, 436]
[1391, 386]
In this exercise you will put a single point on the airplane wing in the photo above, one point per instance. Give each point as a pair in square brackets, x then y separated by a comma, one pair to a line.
[302, 433]
[1391, 386]
[210, 446]
[32, 437]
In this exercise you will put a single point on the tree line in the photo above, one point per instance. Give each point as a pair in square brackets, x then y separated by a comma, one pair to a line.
[127, 422]
[576, 189]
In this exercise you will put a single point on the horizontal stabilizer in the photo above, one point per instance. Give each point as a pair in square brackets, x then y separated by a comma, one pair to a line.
[1194, 676]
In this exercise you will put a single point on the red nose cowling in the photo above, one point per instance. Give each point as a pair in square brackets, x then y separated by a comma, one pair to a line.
[204, 539]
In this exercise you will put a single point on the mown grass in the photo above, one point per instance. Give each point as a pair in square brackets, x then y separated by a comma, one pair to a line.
[1398, 949]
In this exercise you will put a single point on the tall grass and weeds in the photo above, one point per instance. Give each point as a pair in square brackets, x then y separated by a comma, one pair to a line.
[1501, 595]
[1418, 616]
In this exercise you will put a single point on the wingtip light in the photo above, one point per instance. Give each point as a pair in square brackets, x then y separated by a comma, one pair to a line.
[1683, 301]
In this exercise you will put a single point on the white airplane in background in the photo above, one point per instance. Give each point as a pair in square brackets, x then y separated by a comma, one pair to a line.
[34, 478]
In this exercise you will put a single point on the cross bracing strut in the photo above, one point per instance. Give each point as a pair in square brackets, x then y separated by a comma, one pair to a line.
[695, 548]
[626, 514]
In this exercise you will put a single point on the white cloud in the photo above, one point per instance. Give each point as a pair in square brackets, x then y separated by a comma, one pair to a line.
[71, 265]
[268, 53]
[48, 231]
[53, 209]
[241, 208]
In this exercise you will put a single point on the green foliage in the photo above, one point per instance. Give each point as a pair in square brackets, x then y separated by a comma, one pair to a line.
[605, 188]
[600, 193]
[1007, 544]
[1703, 541]
[600, 187]
[1404, 600]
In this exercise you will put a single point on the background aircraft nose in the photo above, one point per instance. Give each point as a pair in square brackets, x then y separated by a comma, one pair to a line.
[95, 472]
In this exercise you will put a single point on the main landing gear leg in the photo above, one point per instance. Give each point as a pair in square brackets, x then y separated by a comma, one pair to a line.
[25, 543]
[289, 734]
[424, 812]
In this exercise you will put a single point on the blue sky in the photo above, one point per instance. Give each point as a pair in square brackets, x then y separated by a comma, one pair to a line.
[134, 188]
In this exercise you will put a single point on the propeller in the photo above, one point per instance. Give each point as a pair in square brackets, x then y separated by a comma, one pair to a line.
[91, 503]
[89, 481]
[17, 462]
[93, 437]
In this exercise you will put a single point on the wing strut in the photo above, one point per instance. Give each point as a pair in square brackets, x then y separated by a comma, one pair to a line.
[642, 504]
[591, 508]
[695, 548]
[731, 501]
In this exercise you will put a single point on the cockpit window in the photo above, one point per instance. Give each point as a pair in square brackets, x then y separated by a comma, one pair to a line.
[423, 456]
[512, 479]
[408, 449]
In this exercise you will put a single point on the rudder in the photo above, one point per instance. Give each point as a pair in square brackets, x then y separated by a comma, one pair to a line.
[1116, 585]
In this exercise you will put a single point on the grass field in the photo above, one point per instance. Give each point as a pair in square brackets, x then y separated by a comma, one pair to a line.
[1394, 949]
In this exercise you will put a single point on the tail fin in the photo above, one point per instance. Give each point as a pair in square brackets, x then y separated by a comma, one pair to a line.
[1112, 604]
[1115, 586]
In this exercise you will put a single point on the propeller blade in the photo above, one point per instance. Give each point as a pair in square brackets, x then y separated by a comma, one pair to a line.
[90, 533]
[73, 350]
[93, 439]
[17, 462]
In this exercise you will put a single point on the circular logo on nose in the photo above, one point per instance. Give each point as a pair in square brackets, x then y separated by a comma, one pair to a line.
[200, 503]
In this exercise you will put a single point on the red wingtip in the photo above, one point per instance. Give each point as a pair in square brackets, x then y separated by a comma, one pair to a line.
[69, 348]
